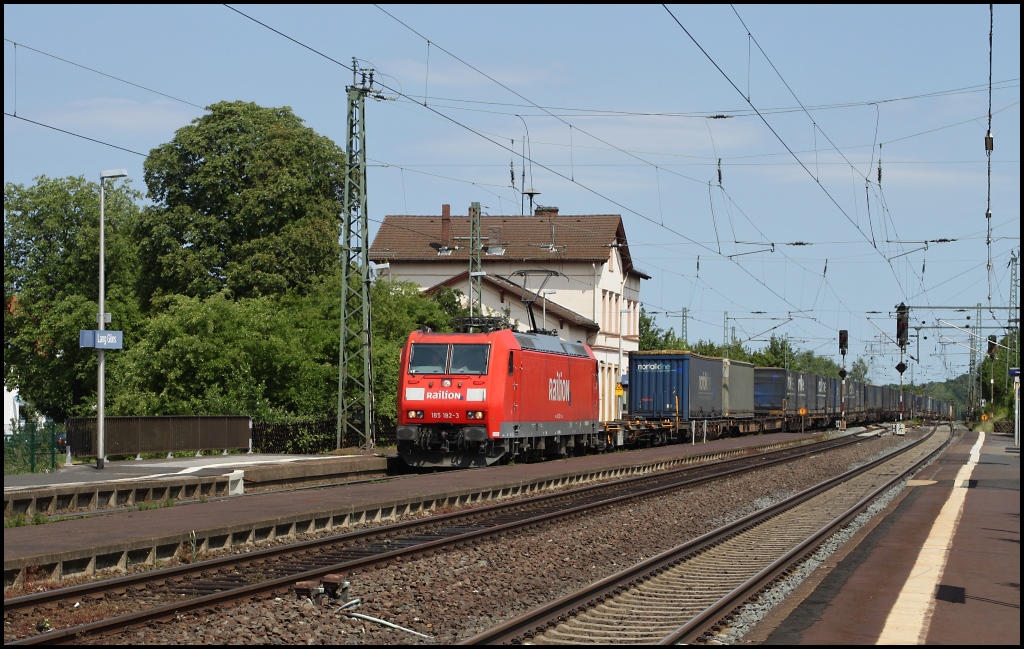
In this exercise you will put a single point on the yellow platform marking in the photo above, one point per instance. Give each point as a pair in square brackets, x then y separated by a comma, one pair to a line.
[920, 483]
[909, 618]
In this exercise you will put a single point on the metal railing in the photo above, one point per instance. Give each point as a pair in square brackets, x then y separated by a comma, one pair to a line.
[319, 436]
[170, 434]
[33, 448]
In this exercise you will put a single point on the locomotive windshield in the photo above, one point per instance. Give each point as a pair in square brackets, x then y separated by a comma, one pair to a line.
[469, 359]
[426, 358]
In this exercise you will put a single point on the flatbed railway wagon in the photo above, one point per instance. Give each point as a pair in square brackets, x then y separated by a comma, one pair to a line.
[678, 396]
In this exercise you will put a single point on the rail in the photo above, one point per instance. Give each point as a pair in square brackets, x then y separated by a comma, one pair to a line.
[531, 626]
[361, 549]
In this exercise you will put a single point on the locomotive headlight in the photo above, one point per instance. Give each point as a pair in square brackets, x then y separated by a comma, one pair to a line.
[474, 414]
[414, 414]
[447, 383]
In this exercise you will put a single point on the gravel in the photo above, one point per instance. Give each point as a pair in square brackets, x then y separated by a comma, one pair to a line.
[450, 596]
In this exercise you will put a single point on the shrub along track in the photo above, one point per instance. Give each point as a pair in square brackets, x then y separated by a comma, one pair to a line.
[58, 615]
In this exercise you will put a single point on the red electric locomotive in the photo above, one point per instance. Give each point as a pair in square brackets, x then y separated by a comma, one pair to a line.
[475, 399]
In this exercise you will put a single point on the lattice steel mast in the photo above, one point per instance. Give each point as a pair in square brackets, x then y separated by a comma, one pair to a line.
[476, 266]
[355, 378]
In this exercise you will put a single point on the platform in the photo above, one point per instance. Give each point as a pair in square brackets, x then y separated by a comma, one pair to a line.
[83, 487]
[940, 566]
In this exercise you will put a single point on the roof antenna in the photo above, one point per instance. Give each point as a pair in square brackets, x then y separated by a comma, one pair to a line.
[526, 149]
[531, 192]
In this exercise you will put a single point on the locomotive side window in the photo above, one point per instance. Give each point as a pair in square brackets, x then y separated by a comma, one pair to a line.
[511, 362]
[428, 358]
[469, 359]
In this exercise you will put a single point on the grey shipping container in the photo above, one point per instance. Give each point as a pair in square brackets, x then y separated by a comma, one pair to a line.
[817, 393]
[738, 388]
[706, 393]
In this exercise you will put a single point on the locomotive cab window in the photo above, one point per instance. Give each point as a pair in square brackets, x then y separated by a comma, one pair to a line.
[469, 359]
[426, 358]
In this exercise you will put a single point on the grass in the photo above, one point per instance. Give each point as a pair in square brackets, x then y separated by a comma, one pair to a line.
[156, 504]
[39, 518]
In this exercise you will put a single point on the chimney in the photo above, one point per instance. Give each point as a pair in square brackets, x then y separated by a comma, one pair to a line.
[545, 211]
[446, 225]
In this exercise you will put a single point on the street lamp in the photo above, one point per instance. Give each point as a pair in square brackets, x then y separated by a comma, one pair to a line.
[471, 276]
[544, 295]
[102, 319]
[376, 268]
[619, 377]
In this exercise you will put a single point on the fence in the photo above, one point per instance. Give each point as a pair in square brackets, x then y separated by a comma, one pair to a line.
[33, 447]
[314, 437]
[1004, 426]
[136, 435]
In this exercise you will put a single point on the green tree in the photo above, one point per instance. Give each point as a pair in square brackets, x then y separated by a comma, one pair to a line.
[272, 359]
[653, 337]
[398, 308]
[859, 370]
[246, 199]
[778, 353]
[51, 287]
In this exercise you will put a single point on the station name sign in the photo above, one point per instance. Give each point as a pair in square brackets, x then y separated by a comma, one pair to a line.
[100, 339]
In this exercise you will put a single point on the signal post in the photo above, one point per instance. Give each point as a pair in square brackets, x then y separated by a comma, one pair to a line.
[902, 338]
[844, 345]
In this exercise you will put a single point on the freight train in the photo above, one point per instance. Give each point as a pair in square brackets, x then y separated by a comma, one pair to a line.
[476, 399]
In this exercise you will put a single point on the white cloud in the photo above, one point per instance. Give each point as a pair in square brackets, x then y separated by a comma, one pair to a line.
[110, 115]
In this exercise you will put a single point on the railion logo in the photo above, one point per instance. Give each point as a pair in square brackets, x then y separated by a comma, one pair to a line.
[558, 388]
[704, 382]
[444, 394]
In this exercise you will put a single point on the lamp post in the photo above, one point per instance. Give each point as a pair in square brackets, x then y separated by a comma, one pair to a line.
[619, 377]
[471, 276]
[544, 318]
[101, 320]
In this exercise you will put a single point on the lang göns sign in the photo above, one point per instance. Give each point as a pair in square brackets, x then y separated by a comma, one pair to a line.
[100, 339]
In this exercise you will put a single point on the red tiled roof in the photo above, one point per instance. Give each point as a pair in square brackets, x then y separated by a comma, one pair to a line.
[525, 238]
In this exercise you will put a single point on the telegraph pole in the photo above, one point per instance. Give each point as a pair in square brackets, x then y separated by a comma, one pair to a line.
[980, 378]
[355, 379]
[725, 334]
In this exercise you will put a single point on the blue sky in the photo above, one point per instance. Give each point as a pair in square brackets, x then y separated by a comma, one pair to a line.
[624, 129]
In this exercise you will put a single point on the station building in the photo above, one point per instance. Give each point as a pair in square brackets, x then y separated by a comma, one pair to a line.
[595, 298]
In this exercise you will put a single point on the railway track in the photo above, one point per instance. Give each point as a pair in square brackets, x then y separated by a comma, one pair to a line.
[687, 593]
[158, 594]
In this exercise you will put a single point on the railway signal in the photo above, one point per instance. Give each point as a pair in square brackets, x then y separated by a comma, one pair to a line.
[844, 341]
[992, 347]
[902, 325]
